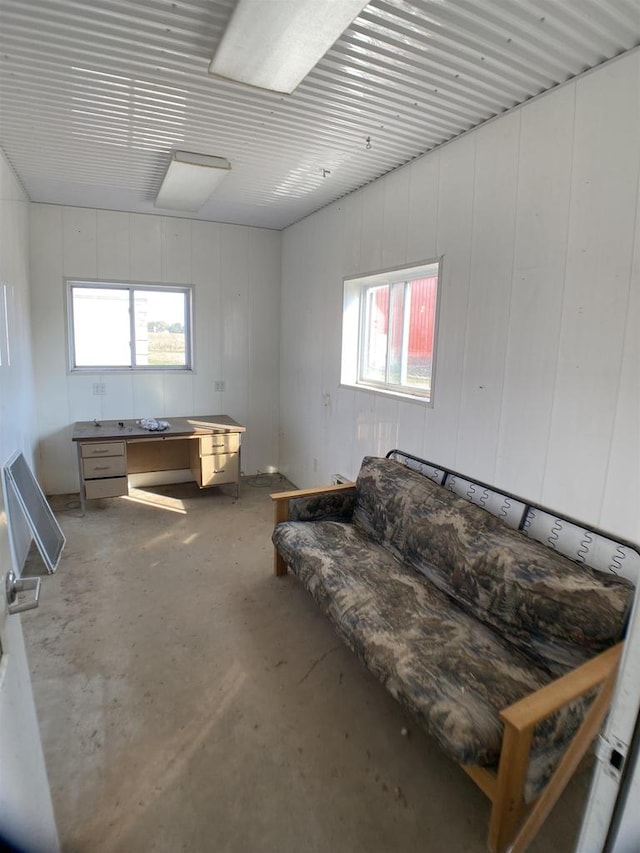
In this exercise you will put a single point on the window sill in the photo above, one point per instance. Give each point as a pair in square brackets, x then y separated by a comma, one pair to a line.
[96, 371]
[385, 392]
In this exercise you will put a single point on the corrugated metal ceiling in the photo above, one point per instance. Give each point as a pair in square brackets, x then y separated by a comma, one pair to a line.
[94, 94]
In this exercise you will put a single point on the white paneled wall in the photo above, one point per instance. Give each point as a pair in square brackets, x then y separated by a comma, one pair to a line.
[24, 790]
[538, 361]
[17, 427]
[235, 272]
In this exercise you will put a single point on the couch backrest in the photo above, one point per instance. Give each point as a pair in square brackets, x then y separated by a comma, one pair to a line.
[390, 497]
[552, 609]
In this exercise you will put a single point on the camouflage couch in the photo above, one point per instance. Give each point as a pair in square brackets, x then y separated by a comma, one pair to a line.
[458, 615]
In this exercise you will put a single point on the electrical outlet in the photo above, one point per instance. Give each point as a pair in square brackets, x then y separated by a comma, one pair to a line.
[218, 385]
[99, 388]
[315, 465]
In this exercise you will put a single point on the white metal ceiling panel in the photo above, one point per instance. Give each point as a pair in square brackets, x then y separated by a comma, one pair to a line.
[95, 94]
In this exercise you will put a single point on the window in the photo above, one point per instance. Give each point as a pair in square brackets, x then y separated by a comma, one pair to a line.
[129, 326]
[389, 329]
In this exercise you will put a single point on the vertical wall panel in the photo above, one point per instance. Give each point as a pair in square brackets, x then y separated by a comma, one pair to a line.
[494, 216]
[17, 428]
[50, 360]
[118, 402]
[84, 405]
[53, 231]
[372, 225]
[386, 424]
[455, 219]
[46, 249]
[48, 314]
[621, 497]
[544, 179]
[290, 403]
[329, 285]
[341, 418]
[145, 247]
[364, 424]
[351, 218]
[424, 177]
[395, 218]
[411, 426]
[176, 250]
[113, 243]
[177, 391]
[264, 349]
[596, 295]
[79, 242]
[148, 396]
[339, 411]
[312, 318]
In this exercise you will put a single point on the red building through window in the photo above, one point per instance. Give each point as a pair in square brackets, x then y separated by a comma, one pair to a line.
[398, 330]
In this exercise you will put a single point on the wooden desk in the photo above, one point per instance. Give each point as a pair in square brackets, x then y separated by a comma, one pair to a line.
[108, 451]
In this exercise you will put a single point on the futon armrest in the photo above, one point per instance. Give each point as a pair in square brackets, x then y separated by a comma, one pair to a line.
[322, 503]
[307, 493]
[528, 712]
[520, 720]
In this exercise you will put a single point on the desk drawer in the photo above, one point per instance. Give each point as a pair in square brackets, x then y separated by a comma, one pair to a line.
[93, 449]
[219, 468]
[108, 466]
[220, 442]
[110, 488]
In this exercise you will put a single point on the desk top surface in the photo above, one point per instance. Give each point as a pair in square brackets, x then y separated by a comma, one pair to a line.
[130, 430]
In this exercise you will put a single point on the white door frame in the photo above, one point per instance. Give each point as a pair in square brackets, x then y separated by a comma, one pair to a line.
[616, 738]
[26, 811]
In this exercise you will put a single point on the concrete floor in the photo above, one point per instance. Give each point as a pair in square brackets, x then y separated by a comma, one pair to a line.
[191, 701]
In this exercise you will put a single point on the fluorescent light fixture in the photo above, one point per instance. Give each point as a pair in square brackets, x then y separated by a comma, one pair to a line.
[274, 44]
[190, 180]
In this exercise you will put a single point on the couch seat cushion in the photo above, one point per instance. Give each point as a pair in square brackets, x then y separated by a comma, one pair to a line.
[453, 673]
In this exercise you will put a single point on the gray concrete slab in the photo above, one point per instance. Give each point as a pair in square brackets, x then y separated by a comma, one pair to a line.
[189, 700]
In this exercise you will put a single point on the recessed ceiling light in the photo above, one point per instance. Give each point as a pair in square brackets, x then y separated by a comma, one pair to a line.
[274, 44]
[190, 179]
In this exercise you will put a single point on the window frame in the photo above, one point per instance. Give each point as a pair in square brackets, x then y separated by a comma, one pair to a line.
[355, 331]
[131, 287]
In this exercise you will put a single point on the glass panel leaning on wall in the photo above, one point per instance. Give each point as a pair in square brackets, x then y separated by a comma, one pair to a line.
[389, 330]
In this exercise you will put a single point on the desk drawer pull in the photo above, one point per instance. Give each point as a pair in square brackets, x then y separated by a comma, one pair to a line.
[102, 448]
[216, 444]
[111, 466]
[112, 487]
[217, 469]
